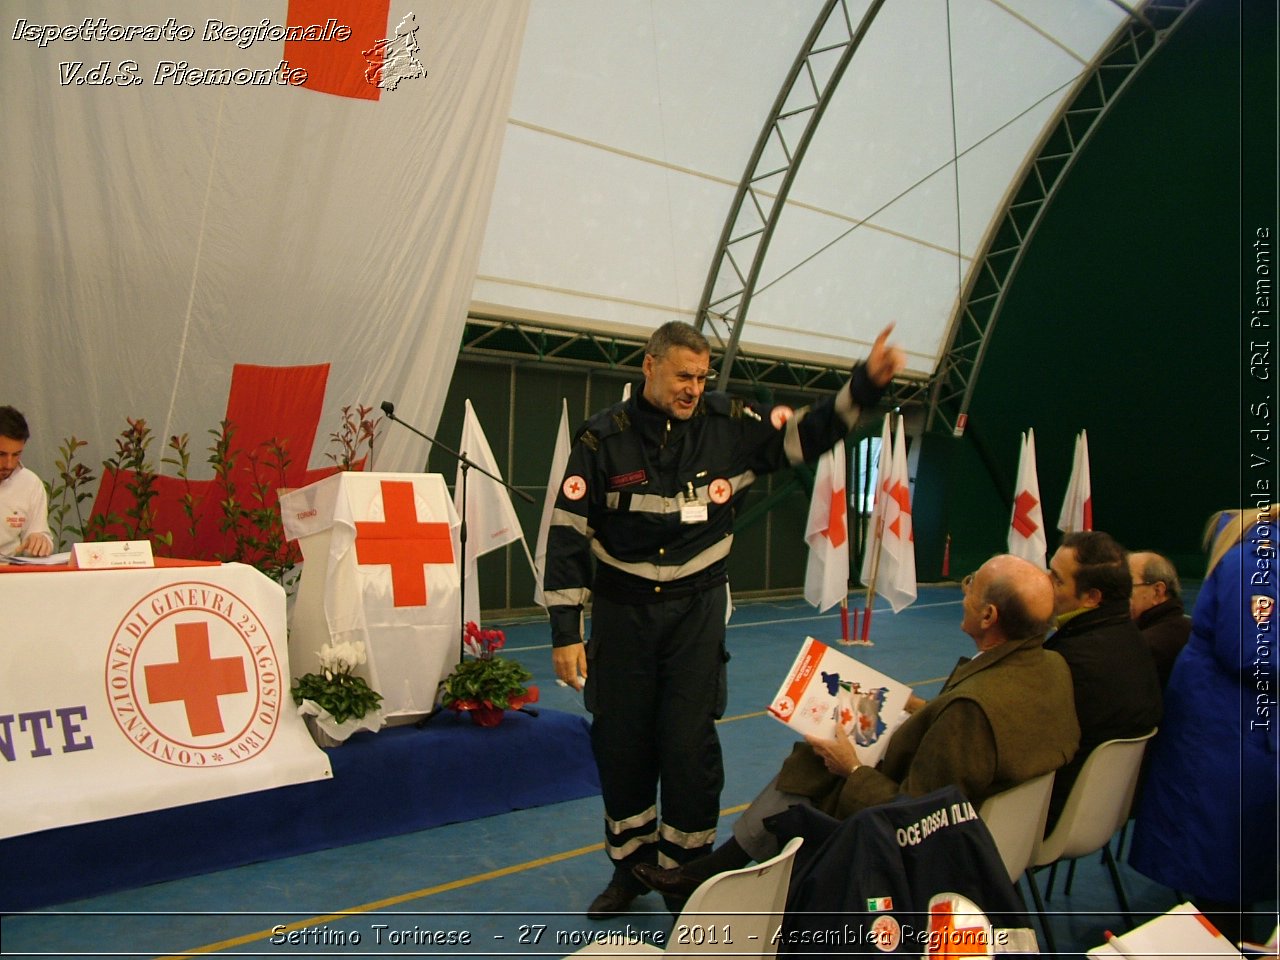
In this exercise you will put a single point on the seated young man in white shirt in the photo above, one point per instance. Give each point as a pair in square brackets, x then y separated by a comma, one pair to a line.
[24, 505]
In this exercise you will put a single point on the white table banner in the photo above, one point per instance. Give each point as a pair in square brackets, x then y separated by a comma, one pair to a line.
[124, 691]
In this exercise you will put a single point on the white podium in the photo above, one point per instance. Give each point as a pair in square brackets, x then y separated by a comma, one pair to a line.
[379, 552]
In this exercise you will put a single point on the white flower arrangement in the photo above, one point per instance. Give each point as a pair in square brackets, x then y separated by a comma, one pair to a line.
[336, 690]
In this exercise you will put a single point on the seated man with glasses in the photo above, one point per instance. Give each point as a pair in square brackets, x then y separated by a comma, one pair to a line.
[1156, 607]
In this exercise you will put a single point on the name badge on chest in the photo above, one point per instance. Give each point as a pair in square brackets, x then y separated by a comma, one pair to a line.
[691, 509]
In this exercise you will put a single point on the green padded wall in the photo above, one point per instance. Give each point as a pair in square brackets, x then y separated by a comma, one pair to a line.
[1122, 321]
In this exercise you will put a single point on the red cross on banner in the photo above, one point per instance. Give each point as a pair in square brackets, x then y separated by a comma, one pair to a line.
[264, 405]
[196, 679]
[404, 543]
[338, 67]
[902, 496]
[836, 531]
[1022, 508]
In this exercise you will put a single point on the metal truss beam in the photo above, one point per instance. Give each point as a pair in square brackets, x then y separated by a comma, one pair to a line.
[520, 340]
[1097, 89]
[762, 192]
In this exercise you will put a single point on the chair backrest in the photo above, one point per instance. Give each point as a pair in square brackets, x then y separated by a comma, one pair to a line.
[1098, 803]
[1016, 819]
[738, 912]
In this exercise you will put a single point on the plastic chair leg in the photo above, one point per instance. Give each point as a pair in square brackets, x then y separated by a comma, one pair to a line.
[1041, 912]
[1117, 883]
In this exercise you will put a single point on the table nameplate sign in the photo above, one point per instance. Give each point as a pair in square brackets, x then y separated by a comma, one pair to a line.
[112, 554]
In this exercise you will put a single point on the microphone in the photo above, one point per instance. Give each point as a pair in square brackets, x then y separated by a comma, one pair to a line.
[390, 410]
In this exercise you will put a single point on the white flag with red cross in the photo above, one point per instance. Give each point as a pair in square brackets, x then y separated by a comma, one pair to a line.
[896, 581]
[1077, 505]
[826, 579]
[1026, 524]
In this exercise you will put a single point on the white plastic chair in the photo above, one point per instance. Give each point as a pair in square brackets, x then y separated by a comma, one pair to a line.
[1097, 806]
[1016, 819]
[737, 912]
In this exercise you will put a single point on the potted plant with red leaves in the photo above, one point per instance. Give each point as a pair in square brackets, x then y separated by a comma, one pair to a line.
[487, 685]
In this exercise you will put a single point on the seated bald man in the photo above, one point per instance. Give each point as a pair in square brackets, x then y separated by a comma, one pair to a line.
[1003, 717]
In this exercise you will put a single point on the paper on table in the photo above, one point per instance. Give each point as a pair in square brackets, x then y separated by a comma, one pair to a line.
[1182, 932]
[53, 560]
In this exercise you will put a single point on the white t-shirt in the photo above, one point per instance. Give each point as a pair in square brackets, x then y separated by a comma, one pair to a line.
[24, 510]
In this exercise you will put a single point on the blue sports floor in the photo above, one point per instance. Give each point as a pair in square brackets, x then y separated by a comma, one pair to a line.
[516, 885]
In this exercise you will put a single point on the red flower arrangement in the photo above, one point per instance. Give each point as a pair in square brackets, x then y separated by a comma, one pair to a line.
[487, 685]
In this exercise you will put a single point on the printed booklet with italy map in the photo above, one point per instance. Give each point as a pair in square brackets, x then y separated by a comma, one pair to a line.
[825, 687]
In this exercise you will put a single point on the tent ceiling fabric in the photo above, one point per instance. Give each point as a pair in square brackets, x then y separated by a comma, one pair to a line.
[157, 233]
[631, 124]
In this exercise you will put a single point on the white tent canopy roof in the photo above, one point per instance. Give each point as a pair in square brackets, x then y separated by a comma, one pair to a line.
[631, 124]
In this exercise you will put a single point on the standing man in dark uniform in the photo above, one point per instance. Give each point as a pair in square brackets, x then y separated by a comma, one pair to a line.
[650, 491]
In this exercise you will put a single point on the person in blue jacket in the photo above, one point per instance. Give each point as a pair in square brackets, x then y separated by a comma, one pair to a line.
[1206, 818]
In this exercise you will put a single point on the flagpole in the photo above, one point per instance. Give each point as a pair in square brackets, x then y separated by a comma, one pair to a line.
[871, 583]
[878, 512]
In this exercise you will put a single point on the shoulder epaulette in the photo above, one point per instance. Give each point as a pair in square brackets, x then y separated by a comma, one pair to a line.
[606, 423]
[721, 404]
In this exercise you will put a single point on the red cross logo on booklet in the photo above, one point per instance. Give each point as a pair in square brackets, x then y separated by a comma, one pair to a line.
[404, 543]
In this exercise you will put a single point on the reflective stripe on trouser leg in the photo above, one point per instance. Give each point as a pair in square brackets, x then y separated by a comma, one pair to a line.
[625, 839]
[655, 684]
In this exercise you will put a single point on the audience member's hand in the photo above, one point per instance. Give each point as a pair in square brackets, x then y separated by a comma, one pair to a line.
[914, 703]
[837, 753]
[886, 360]
[36, 545]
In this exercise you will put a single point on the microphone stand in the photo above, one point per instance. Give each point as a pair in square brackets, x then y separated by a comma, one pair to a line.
[389, 409]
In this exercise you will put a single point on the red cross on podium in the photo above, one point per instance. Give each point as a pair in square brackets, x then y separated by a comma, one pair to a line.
[404, 543]
[196, 679]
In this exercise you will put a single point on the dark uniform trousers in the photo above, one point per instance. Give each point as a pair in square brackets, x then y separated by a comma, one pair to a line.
[656, 684]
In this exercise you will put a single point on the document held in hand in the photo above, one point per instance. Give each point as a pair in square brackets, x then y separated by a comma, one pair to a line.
[825, 687]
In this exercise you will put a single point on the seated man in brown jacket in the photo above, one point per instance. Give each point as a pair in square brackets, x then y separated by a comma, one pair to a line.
[1002, 718]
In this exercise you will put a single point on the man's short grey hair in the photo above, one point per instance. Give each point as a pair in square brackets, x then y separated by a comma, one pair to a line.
[1012, 615]
[676, 333]
[1157, 569]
